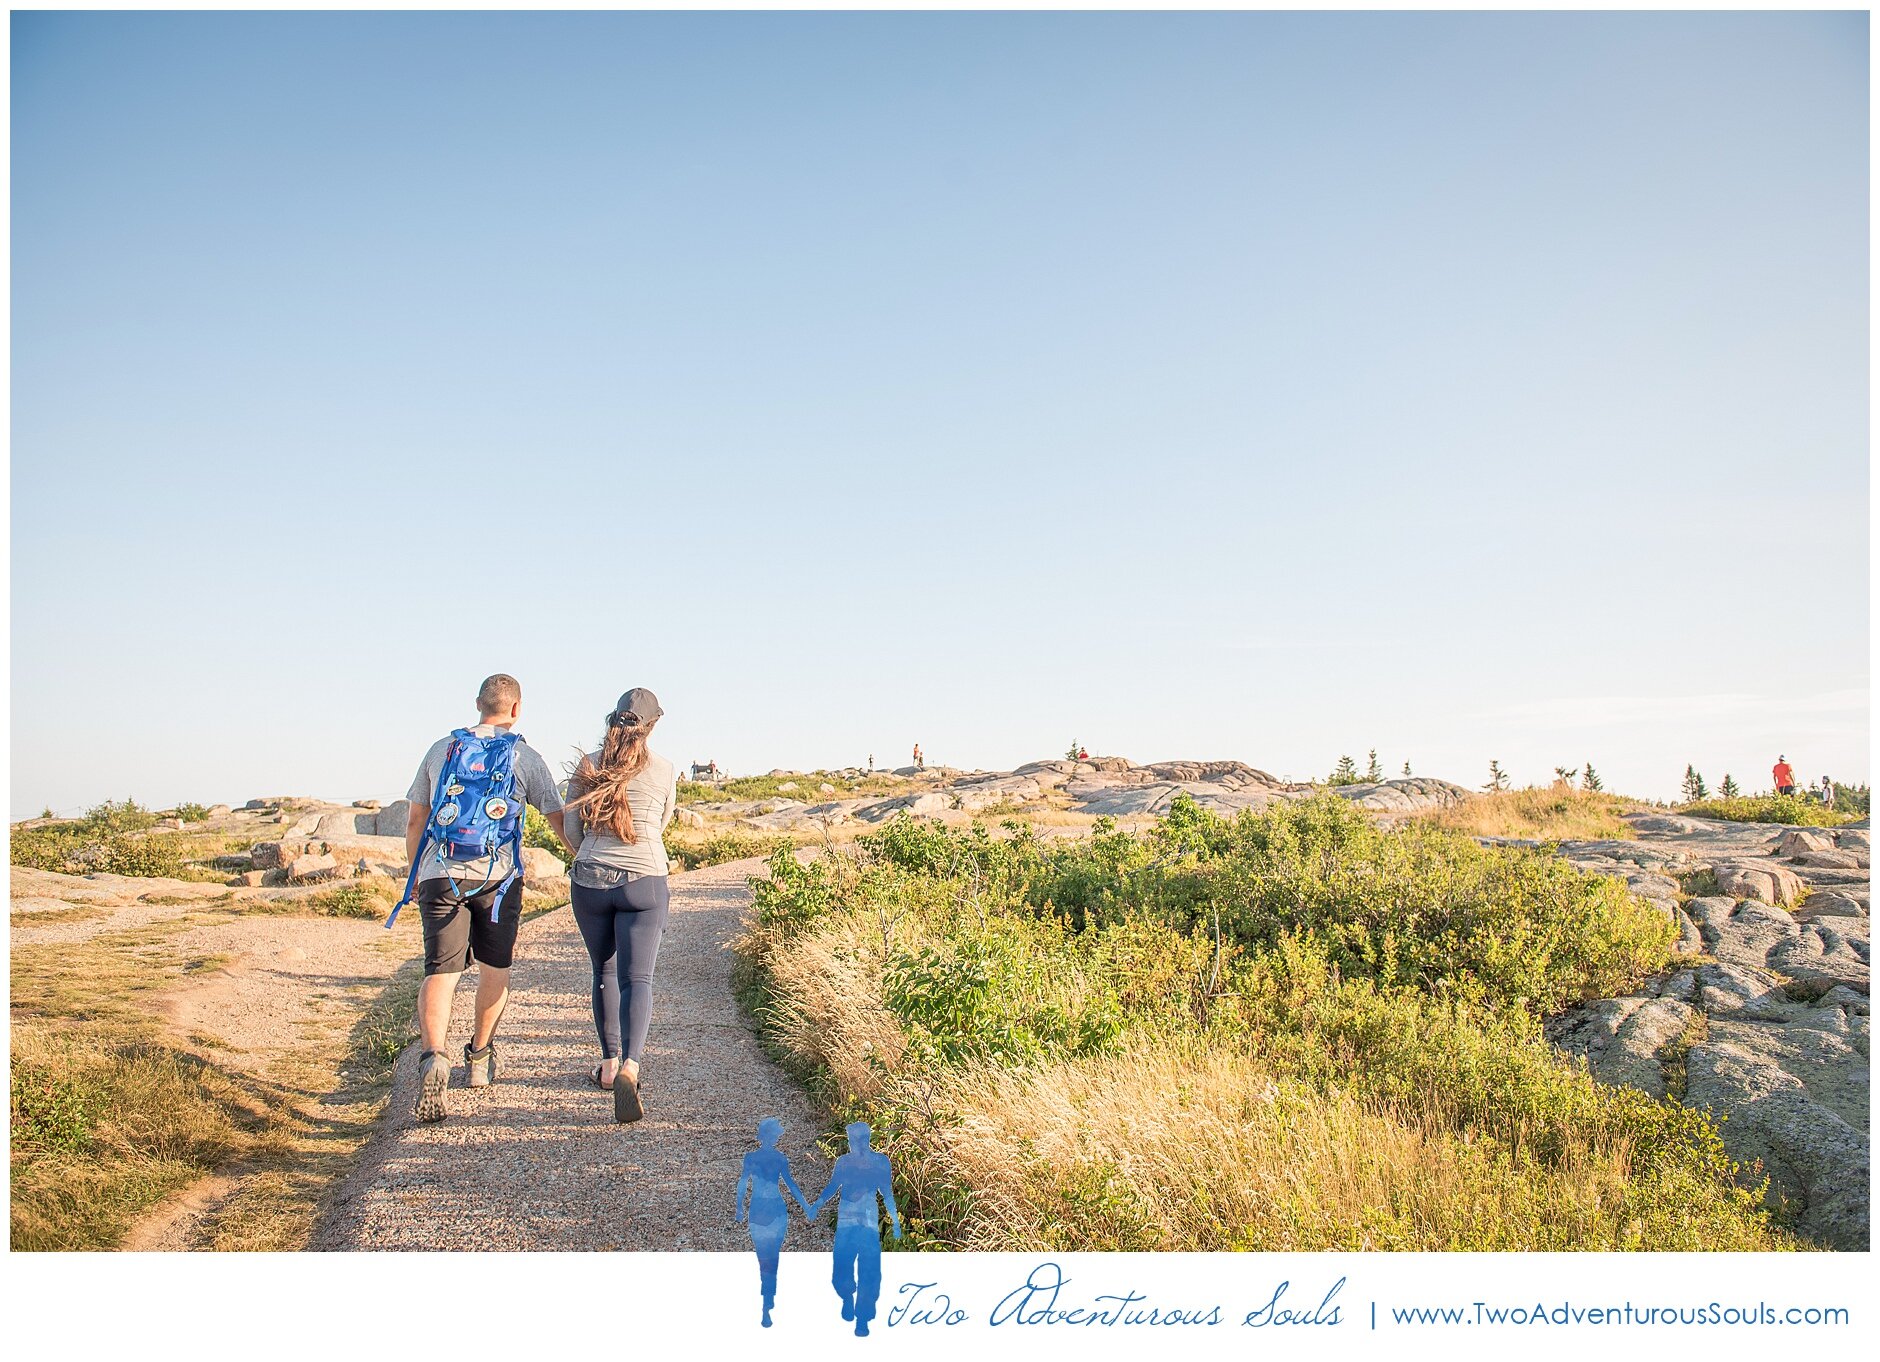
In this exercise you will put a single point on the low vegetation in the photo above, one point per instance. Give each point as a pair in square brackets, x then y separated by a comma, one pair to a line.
[112, 838]
[1553, 813]
[101, 1133]
[691, 850]
[1292, 1030]
[1769, 808]
[806, 787]
[113, 1110]
[686, 848]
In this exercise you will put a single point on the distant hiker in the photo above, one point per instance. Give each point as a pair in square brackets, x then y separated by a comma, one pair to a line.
[464, 840]
[1083, 754]
[1827, 793]
[764, 1169]
[871, 763]
[859, 1177]
[920, 762]
[620, 800]
[1785, 777]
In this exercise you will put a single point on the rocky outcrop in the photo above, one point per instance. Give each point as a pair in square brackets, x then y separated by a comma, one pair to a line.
[1770, 1032]
[1626, 1041]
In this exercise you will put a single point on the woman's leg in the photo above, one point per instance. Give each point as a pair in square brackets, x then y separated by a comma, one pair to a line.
[637, 931]
[594, 916]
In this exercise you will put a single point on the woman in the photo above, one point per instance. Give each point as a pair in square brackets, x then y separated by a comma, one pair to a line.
[764, 1169]
[620, 800]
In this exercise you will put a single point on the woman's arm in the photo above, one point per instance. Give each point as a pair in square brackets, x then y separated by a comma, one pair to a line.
[795, 1191]
[672, 803]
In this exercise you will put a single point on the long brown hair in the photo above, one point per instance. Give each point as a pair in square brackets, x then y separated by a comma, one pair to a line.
[600, 792]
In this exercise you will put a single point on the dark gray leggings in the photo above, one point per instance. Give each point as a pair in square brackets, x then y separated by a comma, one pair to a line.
[622, 927]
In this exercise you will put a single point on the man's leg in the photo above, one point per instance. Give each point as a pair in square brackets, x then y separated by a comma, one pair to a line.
[868, 1284]
[434, 998]
[492, 997]
[446, 955]
[493, 944]
[844, 1276]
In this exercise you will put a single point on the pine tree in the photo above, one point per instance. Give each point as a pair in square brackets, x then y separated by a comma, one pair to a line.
[1728, 790]
[1345, 773]
[1372, 773]
[1564, 774]
[1497, 778]
[1694, 788]
[1406, 771]
[1589, 781]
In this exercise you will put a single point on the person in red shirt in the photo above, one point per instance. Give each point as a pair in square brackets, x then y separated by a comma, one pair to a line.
[1785, 777]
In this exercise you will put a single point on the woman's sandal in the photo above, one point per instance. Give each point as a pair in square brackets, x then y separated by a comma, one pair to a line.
[626, 1098]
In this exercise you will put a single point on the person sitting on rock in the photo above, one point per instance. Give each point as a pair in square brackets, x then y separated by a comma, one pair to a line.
[1785, 776]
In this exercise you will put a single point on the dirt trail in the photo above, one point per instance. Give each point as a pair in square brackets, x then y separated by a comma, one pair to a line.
[537, 1162]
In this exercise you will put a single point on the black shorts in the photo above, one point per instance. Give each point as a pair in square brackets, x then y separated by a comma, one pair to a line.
[456, 930]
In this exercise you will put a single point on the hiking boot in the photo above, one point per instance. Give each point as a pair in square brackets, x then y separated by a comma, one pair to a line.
[481, 1066]
[433, 1079]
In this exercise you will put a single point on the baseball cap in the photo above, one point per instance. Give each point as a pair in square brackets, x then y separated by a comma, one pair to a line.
[641, 703]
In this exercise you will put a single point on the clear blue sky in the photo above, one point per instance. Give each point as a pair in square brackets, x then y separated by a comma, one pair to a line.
[1265, 386]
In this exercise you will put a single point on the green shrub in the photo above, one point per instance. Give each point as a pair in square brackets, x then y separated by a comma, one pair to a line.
[793, 895]
[1016, 991]
[1771, 808]
[84, 849]
[537, 833]
[1408, 969]
[1419, 906]
[125, 815]
[193, 813]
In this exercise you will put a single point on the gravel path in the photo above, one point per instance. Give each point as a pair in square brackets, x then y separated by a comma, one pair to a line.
[537, 1162]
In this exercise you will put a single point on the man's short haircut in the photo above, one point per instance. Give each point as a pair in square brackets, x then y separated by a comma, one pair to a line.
[498, 693]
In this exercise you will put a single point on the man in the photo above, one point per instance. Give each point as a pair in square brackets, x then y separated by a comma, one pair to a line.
[459, 930]
[1785, 777]
[859, 1177]
[1827, 793]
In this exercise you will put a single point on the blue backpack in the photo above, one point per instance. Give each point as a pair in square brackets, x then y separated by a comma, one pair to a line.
[475, 811]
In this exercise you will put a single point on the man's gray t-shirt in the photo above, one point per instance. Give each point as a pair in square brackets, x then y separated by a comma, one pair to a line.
[534, 782]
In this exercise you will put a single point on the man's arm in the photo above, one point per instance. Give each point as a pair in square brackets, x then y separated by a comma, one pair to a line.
[823, 1200]
[414, 829]
[887, 1195]
[547, 799]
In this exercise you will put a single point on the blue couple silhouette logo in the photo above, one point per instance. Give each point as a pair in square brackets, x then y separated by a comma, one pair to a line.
[859, 1178]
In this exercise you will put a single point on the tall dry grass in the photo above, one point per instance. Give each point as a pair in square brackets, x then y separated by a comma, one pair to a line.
[1169, 1148]
[99, 1136]
[1555, 813]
